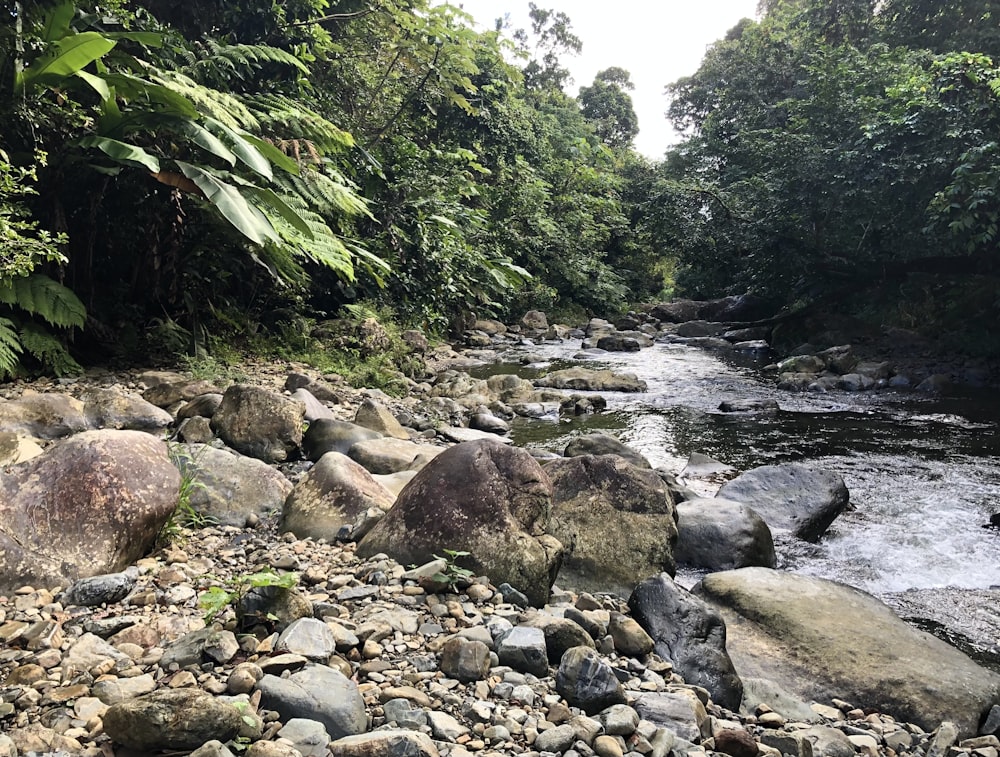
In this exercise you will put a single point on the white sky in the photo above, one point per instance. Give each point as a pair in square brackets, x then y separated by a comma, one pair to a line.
[657, 42]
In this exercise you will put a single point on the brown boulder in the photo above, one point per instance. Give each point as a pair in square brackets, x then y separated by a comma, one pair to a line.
[90, 505]
[616, 520]
[482, 497]
[260, 423]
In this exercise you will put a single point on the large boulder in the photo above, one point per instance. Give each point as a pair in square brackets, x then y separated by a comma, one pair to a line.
[793, 498]
[171, 719]
[616, 521]
[587, 380]
[386, 455]
[719, 534]
[90, 505]
[603, 444]
[819, 639]
[336, 492]
[228, 487]
[329, 435]
[47, 415]
[482, 497]
[689, 633]
[260, 423]
[113, 407]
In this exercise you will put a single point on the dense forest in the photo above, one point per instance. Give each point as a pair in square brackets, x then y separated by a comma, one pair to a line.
[181, 178]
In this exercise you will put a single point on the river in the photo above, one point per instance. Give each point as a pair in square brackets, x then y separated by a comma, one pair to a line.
[922, 471]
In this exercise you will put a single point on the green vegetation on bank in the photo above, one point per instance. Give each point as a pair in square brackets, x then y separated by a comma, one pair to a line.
[181, 180]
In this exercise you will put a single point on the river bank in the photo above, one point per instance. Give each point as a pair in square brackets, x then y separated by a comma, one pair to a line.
[49, 698]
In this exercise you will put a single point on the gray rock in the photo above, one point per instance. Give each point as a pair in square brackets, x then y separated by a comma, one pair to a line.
[561, 634]
[260, 423]
[387, 455]
[308, 736]
[275, 605]
[115, 690]
[587, 380]
[465, 660]
[228, 488]
[587, 681]
[992, 723]
[630, 639]
[105, 496]
[523, 649]
[308, 637]
[535, 320]
[336, 492]
[758, 691]
[700, 328]
[198, 646]
[377, 417]
[602, 444]
[445, 727]
[795, 498]
[618, 343]
[204, 406]
[690, 634]
[619, 720]
[556, 740]
[819, 639]
[317, 693]
[484, 498]
[489, 423]
[791, 743]
[324, 435]
[315, 410]
[616, 520]
[943, 739]
[212, 748]
[179, 389]
[680, 711]
[196, 430]
[98, 590]
[387, 743]
[703, 466]
[115, 408]
[719, 534]
[182, 719]
[458, 435]
[828, 742]
[43, 416]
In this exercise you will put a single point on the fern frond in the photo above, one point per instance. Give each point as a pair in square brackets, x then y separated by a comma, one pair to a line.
[288, 119]
[10, 348]
[48, 350]
[222, 106]
[39, 295]
[322, 246]
[325, 194]
[240, 61]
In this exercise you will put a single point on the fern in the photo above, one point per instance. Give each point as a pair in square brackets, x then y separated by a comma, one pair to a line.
[222, 106]
[327, 194]
[277, 114]
[322, 246]
[10, 348]
[48, 350]
[219, 63]
[39, 295]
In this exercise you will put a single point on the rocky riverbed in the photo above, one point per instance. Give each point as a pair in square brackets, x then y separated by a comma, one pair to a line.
[324, 641]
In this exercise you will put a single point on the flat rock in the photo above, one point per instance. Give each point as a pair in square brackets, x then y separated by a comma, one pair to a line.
[317, 693]
[388, 455]
[181, 719]
[820, 639]
[585, 379]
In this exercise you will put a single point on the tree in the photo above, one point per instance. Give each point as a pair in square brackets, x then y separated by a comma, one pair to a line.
[608, 107]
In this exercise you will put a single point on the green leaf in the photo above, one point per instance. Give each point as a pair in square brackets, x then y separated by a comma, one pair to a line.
[284, 210]
[39, 295]
[57, 22]
[272, 153]
[48, 350]
[248, 220]
[149, 39]
[97, 83]
[208, 141]
[10, 348]
[68, 56]
[244, 150]
[122, 152]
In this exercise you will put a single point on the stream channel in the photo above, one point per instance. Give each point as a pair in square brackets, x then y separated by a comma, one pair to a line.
[922, 472]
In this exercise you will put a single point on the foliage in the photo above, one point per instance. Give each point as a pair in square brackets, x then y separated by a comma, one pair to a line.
[452, 576]
[217, 598]
[184, 514]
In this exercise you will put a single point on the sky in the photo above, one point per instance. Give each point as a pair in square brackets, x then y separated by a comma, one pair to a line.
[657, 41]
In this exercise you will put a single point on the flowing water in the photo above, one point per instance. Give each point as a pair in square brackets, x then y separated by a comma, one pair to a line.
[922, 471]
